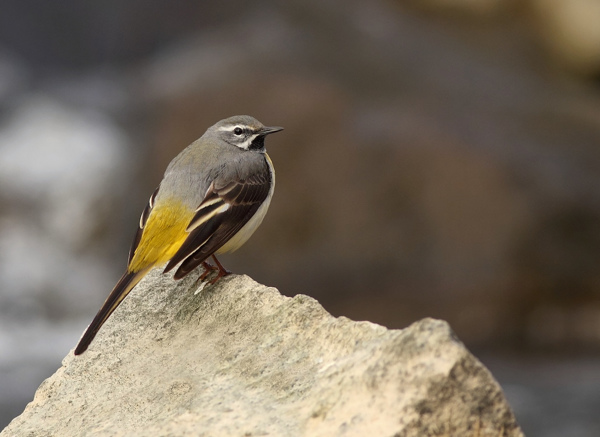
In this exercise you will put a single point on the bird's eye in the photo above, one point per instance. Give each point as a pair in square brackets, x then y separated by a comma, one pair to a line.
[238, 131]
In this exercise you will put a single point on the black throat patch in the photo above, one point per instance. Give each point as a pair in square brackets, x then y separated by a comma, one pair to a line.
[258, 143]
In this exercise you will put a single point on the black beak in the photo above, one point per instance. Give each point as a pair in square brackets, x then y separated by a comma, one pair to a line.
[270, 130]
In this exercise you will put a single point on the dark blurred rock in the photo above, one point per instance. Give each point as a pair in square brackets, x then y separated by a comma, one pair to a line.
[415, 176]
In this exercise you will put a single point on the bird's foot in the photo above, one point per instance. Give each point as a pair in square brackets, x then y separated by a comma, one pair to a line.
[209, 269]
[222, 271]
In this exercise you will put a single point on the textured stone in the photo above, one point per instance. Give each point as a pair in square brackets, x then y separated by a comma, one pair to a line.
[237, 358]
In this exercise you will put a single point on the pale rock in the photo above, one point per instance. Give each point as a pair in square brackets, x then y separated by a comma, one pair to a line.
[239, 359]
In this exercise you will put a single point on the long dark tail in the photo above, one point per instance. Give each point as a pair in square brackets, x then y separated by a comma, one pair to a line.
[116, 296]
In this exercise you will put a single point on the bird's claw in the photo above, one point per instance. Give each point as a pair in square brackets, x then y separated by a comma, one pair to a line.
[209, 268]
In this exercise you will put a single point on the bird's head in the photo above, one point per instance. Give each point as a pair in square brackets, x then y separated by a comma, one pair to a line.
[244, 132]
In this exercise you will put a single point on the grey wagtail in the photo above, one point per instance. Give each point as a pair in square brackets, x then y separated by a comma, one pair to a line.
[213, 196]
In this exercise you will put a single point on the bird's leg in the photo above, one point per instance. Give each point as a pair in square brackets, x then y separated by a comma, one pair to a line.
[208, 269]
[222, 271]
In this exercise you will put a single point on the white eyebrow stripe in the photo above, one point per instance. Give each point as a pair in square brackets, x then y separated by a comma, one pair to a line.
[231, 128]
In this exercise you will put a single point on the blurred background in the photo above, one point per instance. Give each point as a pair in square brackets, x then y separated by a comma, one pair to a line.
[441, 158]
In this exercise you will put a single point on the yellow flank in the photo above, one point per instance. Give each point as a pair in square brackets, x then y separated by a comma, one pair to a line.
[163, 235]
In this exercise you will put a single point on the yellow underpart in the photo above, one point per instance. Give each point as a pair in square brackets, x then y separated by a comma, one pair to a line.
[163, 235]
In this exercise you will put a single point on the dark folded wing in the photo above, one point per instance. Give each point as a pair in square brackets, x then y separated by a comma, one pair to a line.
[222, 213]
[143, 220]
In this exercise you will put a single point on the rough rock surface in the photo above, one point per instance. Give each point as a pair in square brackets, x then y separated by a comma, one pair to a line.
[239, 359]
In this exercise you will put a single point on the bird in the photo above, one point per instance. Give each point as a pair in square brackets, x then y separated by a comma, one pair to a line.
[213, 196]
